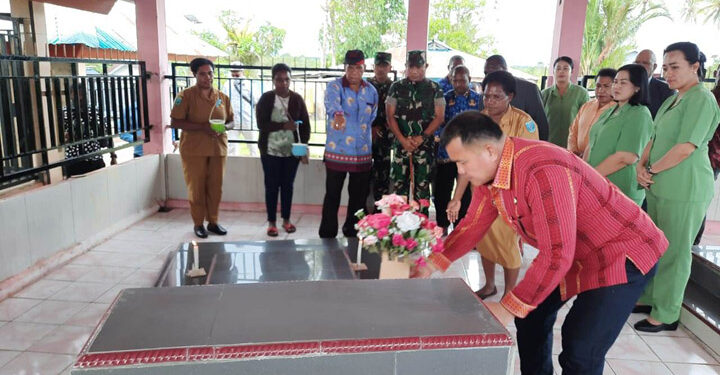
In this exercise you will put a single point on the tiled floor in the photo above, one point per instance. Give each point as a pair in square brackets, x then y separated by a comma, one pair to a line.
[44, 326]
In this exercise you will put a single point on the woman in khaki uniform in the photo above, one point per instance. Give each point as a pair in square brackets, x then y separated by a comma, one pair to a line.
[202, 149]
[500, 245]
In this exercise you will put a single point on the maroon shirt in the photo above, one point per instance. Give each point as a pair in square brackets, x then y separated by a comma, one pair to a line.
[714, 145]
[582, 225]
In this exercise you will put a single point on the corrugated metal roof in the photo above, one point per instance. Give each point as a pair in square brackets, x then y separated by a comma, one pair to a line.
[101, 39]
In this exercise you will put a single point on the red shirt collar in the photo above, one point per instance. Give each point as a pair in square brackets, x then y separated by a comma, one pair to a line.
[502, 176]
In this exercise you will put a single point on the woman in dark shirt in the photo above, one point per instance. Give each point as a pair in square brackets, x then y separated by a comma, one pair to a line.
[282, 117]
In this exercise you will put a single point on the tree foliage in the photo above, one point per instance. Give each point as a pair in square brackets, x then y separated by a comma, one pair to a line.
[244, 42]
[367, 25]
[709, 9]
[456, 23]
[610, 28]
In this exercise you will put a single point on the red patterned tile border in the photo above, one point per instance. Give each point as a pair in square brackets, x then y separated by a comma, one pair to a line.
[115, 359]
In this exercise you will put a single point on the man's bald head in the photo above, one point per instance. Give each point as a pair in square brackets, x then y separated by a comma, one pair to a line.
[495, 63]
[647, 59]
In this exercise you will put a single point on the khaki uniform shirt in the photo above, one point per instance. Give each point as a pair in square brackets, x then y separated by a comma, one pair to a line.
[190, 105]
[516, 123]
[587, 116]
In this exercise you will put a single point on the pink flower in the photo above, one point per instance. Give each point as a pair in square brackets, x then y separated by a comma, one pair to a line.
[438, 232]
[424, 203]
[411, 243]
[382, 232]
[439, 247]
[397, 211]
[378, 221]
[398, 240]
[389, 200]
[421, 262]
[415, 205]
[369, 240]
[431, 225]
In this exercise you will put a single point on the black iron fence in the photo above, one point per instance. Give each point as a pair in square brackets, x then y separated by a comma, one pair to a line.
[52, 114]
[11, 34]
[245, 90]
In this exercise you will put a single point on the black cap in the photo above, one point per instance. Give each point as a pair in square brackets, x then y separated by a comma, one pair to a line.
[383, 58]
[354, 57]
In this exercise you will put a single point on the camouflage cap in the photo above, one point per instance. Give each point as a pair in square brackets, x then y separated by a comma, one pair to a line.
[354, 57]
[383, 58]
[416, 58]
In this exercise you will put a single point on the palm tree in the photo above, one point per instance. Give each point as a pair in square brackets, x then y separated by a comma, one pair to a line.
[610, 28]
[708, 8]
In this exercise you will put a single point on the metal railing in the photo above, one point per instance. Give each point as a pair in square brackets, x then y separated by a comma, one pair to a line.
[11, 34]
[309, 82]
[48, 106]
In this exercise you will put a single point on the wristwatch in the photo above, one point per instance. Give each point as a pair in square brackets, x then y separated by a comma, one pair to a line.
[648, 168]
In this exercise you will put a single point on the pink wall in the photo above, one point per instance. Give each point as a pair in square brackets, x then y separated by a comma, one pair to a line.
[417, 27]
[152, 48]
[568, 34]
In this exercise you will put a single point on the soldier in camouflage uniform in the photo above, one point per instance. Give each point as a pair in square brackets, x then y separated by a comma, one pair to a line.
[415, 109]
[382, 137]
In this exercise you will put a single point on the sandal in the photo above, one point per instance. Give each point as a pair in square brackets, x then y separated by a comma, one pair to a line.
[489, 294]
[289, 228]
[272, 231]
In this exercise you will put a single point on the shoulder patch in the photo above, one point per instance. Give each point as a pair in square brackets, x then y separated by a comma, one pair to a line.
[530, 126]
[178, 100]
[218, 103]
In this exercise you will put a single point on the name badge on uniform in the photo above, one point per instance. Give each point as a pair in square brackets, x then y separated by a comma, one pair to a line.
[451, 102]
[530, 126]
[472, 102]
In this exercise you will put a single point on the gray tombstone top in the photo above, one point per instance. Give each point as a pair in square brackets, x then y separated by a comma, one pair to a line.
[281, 318]
[242, 262]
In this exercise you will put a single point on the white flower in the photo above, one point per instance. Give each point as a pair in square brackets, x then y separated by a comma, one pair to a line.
[408, 221]
[370, 240]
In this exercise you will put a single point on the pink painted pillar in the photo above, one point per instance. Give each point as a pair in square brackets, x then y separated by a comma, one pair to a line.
[568, 35]
[417, 24]
[152, 48]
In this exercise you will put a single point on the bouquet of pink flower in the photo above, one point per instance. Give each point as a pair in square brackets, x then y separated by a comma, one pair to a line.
[400, 230]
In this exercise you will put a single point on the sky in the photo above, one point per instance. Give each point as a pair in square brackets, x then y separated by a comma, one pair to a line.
[524, 38]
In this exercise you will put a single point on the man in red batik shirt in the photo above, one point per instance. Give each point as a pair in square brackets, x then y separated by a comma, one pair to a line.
[593, 242]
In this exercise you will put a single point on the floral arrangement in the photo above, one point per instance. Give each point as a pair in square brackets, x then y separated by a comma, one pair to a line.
[400, 230]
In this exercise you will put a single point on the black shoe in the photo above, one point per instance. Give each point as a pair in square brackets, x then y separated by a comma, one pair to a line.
[641, 309]
[200, 231]
[646, 326]
[217, 229]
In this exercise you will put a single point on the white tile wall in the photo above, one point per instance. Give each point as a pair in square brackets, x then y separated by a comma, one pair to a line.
[244, 181]
[14, 236]
[50, 219]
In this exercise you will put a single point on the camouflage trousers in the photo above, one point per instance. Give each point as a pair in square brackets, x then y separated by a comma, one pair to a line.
[381, 165]
[423, 160]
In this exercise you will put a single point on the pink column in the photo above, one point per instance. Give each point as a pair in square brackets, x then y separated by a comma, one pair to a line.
[568, 35]
[152, 48]
[417, 24]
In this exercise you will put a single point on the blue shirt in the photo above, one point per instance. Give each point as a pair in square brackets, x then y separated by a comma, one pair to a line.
[446, 85]
[350, 149]
[454, 105]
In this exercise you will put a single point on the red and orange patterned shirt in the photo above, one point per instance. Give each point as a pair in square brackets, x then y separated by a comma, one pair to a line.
[582, 225]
